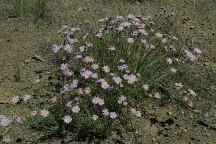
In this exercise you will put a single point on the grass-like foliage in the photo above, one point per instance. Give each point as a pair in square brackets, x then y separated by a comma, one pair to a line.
[23, 8]
[104, 77]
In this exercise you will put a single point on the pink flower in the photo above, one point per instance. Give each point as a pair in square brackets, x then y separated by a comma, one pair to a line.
[135, 112]
[75, 109]
[86, 73]
[106, 69]
[145, 87]
[44, 113]
[113, 115]
[87, 90]
[122, 100]
[67, 119]
[88, 59]
[190, 56]
[131, 79]
[105, 112]
[178, 86]
[98, 101]
[169, 61]
[117, 80]
[157, 95]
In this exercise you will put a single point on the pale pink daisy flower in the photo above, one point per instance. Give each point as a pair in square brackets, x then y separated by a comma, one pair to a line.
[19, 120]
[191, 92]
[123, 67]
[98, 101]
[56, 48]
[15, 99]
[68, 48]
[94, 66]
[106, 69]
[26, 98]
[131, 79]
[178, 86]
[157, 95]
[86, 73]
[76, 109]
[69, 104]
[105, 112]
[74, 84]
[80, 91]
[135, 112]
[78, 57]
[197, 51]
[188, 100]
[113, 115]
[87, 90]
[6, 139]
[117, 80]
[88, 59]
[145, 87]
[190, 56]
[33, 113]
[169, 61]
[104, 84]
[101, 102]
[122, 99]
[67, 119]
[65, 69]
[4, 121]
[54, 99]
[82, 48]
[94, 75]
[44, 113]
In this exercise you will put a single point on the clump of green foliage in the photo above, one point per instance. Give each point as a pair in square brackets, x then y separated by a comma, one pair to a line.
[29, 8]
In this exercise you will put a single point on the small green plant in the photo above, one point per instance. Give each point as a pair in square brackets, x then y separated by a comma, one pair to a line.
[40, 8]
[29, 8]
[20, 7]
[17, 69]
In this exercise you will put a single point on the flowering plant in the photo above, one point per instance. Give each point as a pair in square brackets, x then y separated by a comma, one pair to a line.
[108, 74]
